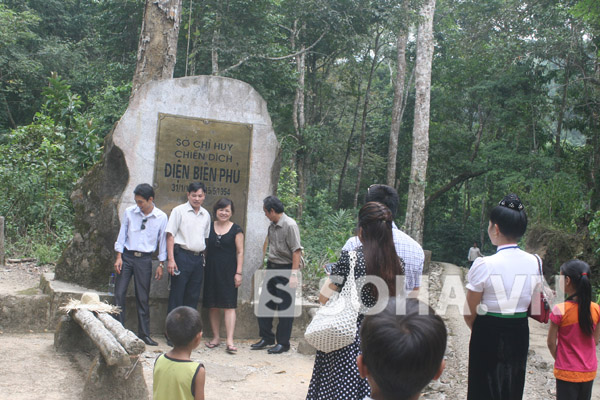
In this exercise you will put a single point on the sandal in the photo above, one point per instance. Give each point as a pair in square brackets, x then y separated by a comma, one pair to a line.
[231, 349]
[212, 345]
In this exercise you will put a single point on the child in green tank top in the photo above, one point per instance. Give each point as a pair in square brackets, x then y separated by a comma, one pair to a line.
[176, 376]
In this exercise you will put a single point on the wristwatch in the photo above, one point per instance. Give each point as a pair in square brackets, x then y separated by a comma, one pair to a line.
[294, 273]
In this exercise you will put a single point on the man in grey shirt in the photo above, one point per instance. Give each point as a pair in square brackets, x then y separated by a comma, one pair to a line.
[284, 255]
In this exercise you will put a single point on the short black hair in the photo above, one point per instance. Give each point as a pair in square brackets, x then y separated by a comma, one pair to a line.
[144, 190]
[223, 203]
[383, 194]
[195, 186]
[273, 203]
[511, 222]
[182, 325]
[403, 351]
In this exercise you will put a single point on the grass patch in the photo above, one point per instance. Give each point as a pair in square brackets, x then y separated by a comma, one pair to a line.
[29, 292]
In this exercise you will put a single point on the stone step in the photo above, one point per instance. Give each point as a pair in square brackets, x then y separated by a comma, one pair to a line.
[40, 312]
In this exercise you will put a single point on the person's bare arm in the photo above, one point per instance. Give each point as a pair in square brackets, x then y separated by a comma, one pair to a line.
[470, 312]
[239, 249]
[118, 263]
[597, 334]
[171, 265]
[551, 341]
[326, 291]
[199, 384]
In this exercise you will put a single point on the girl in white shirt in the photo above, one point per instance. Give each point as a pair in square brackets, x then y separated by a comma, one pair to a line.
[498, 295]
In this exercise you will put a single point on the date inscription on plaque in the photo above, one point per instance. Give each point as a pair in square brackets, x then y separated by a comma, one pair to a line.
[200, 150]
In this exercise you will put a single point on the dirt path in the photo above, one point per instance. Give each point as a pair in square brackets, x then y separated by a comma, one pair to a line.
[540, 382]
[31, 369]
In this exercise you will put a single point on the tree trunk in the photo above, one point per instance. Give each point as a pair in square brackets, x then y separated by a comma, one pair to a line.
[11, 121]
[349, 145]
[111, 350]
[363, 129]
[482, 121]
[415, 210]
[397, 108]
[299, 118]
[157, 50]
[214, 53]
[561, 115]
[130, 342]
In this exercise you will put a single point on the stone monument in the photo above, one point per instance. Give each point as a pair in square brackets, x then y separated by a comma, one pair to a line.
[204, 128]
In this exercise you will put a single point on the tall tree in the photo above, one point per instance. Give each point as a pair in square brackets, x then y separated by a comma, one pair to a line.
[157, 50]
[415, 209]
[363, 128]
[399, 99]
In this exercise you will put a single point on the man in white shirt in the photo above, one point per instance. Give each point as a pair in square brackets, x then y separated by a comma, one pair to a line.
[474, 252]
[407, 248]
[187, 230]
[142, 231]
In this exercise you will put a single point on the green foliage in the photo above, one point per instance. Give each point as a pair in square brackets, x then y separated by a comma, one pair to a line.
[323, 239]
[41, 163]
[286, 190]
[594, 228]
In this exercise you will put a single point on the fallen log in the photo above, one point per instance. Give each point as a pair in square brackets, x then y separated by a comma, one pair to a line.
[110, 348]
[132, 344]
[19, 260]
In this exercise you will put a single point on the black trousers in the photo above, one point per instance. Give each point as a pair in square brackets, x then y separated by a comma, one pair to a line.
[270, 289]
[186, 287]
[573, 390]
[141, 270]
[498, 358]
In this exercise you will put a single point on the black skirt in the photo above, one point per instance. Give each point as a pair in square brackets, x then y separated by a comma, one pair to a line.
[498, 358]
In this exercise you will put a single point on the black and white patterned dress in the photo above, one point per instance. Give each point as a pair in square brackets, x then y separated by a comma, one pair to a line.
[335, 374]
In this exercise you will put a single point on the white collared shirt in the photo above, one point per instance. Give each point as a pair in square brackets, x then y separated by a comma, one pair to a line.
[189, 229]
[506, 279]
[133, 237]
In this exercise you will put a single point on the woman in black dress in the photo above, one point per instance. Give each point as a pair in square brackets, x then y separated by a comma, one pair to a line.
[223, 273]
[335, 374]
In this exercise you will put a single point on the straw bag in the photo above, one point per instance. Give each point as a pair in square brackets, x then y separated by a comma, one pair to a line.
[334, 324]
[539, 309]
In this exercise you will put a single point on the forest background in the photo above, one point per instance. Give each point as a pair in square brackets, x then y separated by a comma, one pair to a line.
[515, 95]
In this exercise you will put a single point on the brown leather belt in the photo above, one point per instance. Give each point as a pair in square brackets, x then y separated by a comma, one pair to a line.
[137, 253]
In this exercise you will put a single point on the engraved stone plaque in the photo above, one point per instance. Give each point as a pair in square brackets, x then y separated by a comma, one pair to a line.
[216, 153]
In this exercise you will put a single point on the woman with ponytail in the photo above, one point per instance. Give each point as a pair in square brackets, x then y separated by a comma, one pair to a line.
[335, 374]
[573, 334]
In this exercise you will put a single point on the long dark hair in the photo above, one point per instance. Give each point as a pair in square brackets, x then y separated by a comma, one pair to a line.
[381, 258]
[579, 272]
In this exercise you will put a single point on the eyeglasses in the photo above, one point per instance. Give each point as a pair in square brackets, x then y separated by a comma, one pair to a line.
[218, 241]
[144, 224]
